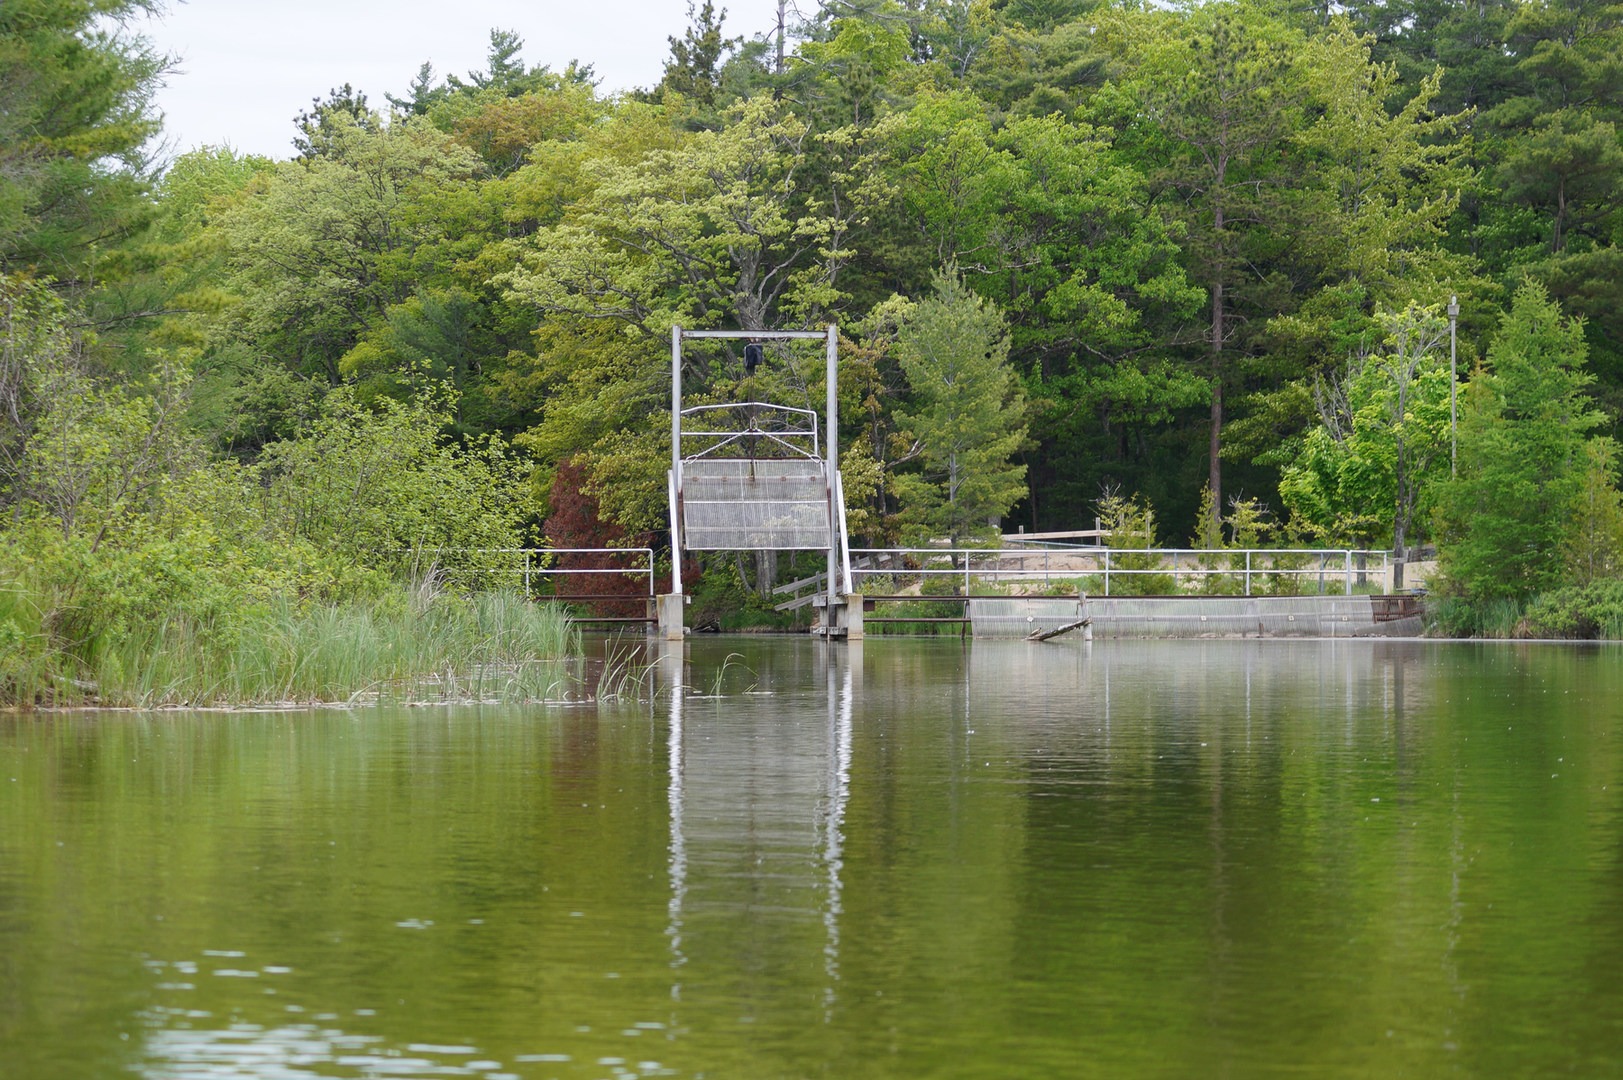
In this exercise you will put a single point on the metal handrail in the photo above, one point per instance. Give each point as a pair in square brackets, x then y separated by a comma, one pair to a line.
[734, 436]
[1106, 563]
[694, 410]
[753, 430]
[845, 537]
[530, 570]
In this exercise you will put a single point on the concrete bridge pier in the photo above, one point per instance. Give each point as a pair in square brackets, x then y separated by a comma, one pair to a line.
[842, 620]
[670, 616]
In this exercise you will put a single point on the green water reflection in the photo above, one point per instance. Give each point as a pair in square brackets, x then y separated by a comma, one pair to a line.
[905, 858]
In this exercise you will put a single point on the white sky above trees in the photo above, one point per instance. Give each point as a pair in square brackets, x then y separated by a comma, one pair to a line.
[248, 67]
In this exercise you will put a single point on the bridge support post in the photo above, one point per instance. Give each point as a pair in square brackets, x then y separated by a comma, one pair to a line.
[850, 613]
[672, 618]
[841, 620]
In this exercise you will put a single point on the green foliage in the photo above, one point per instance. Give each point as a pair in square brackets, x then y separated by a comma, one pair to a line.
[1208, 523]
[1594, 548]
[504, 110]
[1591, 610]
[856, 65]
[1383, 435]
[1507, 518]
[90, 455]
[1386, 180]
[1250, 528]
[722, 600]
[378, 484]
[75, 109]
[99, 455]
[429, 339]
[1224, 96]
[719, 225]
[504, 129]
[715, 227]
[322, 249]
[322, 127]
[694, 69]
[1130, 525]
[1457, 616]
[1194, 220]
[401, 644]
[967, 414]
[133, 566]
[1045, 219]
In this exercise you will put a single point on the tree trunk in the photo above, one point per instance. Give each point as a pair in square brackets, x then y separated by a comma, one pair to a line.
[766, 572]
[1214, 476]
[782, 8]
[1400, 530]
[1559, 240]
[1400, 516]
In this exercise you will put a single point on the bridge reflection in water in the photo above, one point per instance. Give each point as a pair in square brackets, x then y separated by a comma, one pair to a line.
[757, 819]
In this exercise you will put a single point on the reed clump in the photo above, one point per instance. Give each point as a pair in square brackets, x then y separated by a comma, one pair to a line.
[1457, 617]
[406, 643]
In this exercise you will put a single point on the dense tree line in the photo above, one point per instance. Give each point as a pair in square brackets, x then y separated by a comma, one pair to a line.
[1197, 254]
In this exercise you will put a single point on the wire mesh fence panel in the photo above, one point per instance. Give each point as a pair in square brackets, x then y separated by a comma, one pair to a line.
[733, 504]
[1021, 616]
[1237, 616]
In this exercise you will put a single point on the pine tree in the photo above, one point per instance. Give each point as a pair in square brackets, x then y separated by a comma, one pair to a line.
[968, 414]
[75, 111]
[694, 69]
[1225, 91]
[1506, 521]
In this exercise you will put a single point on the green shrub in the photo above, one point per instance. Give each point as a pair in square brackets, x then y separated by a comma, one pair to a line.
[721, 601]
[1131, 524]
[1584, 612]
[172, 620]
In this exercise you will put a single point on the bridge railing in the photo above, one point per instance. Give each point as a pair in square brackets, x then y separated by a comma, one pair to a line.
[539, 571]
[1104, 571]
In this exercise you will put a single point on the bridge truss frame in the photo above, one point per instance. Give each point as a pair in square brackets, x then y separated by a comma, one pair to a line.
[839, 573]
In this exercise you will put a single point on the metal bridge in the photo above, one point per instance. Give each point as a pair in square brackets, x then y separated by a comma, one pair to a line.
[758, 476]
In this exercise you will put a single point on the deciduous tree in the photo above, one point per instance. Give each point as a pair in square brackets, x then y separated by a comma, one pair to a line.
[1384, 434]
[322, 250]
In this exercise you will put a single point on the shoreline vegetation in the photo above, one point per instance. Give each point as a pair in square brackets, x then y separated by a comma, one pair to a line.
[419, 645]
[1592, 612]
[402, 645]
[263, 421]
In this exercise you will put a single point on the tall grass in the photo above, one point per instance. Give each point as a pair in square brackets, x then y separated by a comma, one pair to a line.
[408, 644]
[624, 676]
[1452, 616]
[31, 665]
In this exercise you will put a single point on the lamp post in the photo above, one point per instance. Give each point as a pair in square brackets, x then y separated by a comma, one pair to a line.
[1453, 383]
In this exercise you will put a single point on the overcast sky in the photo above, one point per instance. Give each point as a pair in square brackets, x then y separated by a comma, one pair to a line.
[247, 67]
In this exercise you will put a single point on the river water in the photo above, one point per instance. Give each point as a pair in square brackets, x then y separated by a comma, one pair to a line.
[906, 858]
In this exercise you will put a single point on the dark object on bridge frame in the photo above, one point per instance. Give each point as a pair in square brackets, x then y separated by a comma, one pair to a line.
[753, 355]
